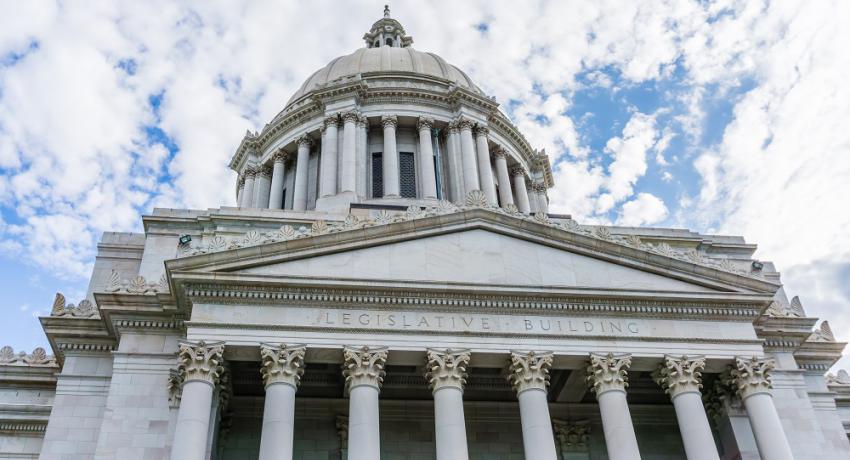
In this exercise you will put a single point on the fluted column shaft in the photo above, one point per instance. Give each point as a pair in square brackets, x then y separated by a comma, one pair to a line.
[455, 163]
[330, 142]
[446, 376]
[248, 191]
[426, 159]
[528, 374]
[282, 369]
[262, 185]
[363, 163]
[607, 374]
[200, 364]
[542, 200]
[390, 158]
[521, 193]
[348, 177]
[505, 193]
[364, 374]
[485, 171]
[278, 174]
[302, 165]
[752, 380]
[681, 378]
[468, 157]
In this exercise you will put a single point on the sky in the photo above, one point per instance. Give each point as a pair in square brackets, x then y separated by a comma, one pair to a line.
[728, 117]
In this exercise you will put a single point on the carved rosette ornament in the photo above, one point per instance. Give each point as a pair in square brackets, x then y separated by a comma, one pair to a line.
[447, 368]
[364, 366]
[608, 372]
[201, 361]
[282, 363]
[680, 374]
[389, 121]
[752, 375]
[529, 370]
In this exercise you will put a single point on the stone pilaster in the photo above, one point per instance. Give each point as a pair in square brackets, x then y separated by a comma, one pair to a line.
[282, 363]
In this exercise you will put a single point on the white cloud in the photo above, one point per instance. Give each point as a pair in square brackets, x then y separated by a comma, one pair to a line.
[644, 209]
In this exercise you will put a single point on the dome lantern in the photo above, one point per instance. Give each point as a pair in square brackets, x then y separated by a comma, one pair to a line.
[387, 32]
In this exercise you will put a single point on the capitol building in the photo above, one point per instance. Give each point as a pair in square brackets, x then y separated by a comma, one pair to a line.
[392, 285]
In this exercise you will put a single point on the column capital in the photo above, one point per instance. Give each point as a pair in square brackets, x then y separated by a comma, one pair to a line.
[332, 120]
[481, 130]
[680, 374]
[364, 366]
[280, 156]
[282, 363]
[752, 375]
[539, 187]
[517, 171]
[240, 183]
[265, 171]
[362, 121]
[608, 372]
[446, 368]
[352, 116]
[464, 123]
[250, 172]
[389, 121]
[200, 361]
[572, 436]
[453, 127]
[500, 153]
[424, 123]
[529, 370]
[304, 139]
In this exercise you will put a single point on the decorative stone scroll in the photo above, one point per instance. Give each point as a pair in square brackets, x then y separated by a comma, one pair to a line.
[84, 309]
[841, 378]
[38, 358]
[608, 372]
[201, 361]
[447, 368]
[364, 366]
[135, 285]
[282, 363]
[752, 375]
[572, 436]
[680, 374]
[529, 370]
[822, 333]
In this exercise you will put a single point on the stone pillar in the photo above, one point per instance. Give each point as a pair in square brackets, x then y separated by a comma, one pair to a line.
[363, 368]
[282, 369]
[302, 166]
[607, 375]
[327, 185]
[485, 171]
[751, 377]
[348, 176]
[262, 185]
[542, 200]
[200, 365]
[681, 378]
[390, 158]
[528, 374]
[455, 164]
[426, 159]
[278, 175]
[467, 151]
[506, 195]
[446, 376]
[521, 193]
[248, 192]
[363, 163]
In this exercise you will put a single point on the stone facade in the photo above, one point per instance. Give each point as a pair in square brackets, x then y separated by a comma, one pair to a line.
[392, 285]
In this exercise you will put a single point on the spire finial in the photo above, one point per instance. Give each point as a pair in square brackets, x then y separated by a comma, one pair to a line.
[386, 11]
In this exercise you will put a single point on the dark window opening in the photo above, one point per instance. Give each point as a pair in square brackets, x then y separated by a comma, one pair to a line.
[377, 175]
[407, 174]
[283, 200]
[376, 44]
[389, 42]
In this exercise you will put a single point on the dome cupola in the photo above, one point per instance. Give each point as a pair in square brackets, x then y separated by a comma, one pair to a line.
[387, 32]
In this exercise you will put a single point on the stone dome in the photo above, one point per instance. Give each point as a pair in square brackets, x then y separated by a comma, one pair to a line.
[385, 60]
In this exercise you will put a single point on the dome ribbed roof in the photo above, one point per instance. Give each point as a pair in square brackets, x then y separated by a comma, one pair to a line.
[385, 59]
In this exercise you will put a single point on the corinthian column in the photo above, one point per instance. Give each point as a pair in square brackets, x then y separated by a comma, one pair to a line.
[446, 376]
[485, 171]
[302, 165]
[348, 177]
[390, 158]
[329, 159]
[528, 374]
[681, 378]
[278, 173]
[751, 377]
[467, 152]
[282, 369]
[505, 193]
[519, 187]
[608, 376]
[247, 197]
[262, 184]
[363, 369]
[426, 158]
[542, 200]
[200, 366]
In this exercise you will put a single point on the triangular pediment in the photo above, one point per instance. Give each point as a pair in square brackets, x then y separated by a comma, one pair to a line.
[476, 256]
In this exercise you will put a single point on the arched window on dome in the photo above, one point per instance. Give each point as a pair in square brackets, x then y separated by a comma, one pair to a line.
[389, 42]
[377, 44]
